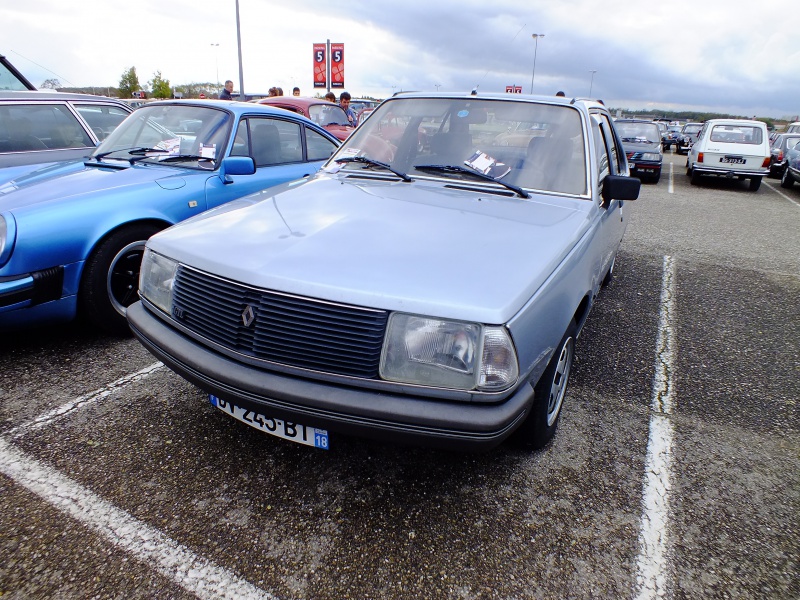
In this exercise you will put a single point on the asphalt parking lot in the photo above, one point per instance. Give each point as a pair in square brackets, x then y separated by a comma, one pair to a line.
[674, 473]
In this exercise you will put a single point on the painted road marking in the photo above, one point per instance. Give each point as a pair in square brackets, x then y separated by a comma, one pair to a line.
[652, 572]
[777, 191]
[671, 187]
[81, 401]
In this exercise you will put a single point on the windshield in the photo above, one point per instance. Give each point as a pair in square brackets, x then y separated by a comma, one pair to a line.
[639, 133]
[327, 114]
[692, 129]
[171, 131]
[531, 145]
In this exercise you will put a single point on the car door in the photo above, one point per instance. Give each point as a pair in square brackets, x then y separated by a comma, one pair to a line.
[610, 161]
[283, 150]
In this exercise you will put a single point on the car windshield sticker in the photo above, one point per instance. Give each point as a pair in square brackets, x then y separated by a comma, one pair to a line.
[208, 150]
[462, 113]
[480, 161]
[351, 151]
[172, 146]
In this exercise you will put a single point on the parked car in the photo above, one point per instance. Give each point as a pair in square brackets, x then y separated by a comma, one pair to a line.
[71, 242]
[641, 141]
[779, 147]
[323, 113]
[793, 127]
[688, 137]
[792, 171]
[672, 137]
[38, 128]
[430, 296]
[732, 148]
[359, 104]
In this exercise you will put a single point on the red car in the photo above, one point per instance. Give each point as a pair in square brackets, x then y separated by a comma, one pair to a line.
[324, 113]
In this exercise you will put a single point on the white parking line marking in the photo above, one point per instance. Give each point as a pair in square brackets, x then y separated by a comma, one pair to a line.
[777, 191]
[192, 572]
[652, 565]
[670, 187]
[81, 401]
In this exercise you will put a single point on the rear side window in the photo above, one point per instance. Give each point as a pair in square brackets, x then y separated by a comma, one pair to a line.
[103, 119]
[31, 127]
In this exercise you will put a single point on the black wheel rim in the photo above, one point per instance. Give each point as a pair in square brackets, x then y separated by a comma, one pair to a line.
[123, 276]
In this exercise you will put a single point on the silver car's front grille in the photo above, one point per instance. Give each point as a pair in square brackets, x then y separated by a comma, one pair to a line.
[290, 330]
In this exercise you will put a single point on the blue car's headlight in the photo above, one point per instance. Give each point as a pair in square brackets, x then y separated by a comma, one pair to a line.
[449, 354]
[156, 279]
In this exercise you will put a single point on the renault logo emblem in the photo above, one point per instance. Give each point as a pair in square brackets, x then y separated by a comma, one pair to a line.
[248, 316]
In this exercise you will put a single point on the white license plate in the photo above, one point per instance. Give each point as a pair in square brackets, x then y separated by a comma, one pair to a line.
[294, 432]
[734, 160]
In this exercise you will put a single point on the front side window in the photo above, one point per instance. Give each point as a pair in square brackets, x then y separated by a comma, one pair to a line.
[319, 147]
[30, 127]
[532, 145]
[268, 141]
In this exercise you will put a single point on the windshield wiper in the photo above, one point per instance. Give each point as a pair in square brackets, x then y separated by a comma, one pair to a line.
[376, 163]
[136, 150]
[459, 169]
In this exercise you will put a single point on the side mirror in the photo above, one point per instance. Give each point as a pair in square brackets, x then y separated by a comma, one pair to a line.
[619, 187]
[236, 165]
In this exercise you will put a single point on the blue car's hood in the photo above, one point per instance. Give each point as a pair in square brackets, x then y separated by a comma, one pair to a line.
[418, 247]
[64, 181]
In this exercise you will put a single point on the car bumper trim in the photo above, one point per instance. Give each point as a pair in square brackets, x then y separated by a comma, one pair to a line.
[35, 288]
[352, 411]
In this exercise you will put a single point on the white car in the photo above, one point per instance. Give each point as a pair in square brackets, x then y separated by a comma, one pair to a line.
[732, 148]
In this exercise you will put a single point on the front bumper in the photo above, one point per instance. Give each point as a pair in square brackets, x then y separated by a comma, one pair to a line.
[644, 168]
[355, 411]
[32, 288]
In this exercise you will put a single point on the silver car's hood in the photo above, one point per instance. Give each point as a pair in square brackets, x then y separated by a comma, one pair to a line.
[418, 247]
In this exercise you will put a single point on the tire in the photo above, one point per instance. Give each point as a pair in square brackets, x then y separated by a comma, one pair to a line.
[110, 280]
[655, 178]
[755, 183]
[787, 181]
[688, 168]
[540, 425]
[695, 177]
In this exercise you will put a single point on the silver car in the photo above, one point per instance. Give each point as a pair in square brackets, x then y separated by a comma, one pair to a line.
[425, 287]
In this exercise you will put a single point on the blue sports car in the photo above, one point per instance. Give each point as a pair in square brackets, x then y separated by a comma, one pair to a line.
[71, 240]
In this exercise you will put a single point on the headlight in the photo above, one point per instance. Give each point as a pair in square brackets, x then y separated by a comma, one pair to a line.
[448, 354]
[157, 278]
[651, 156]
[8, 234]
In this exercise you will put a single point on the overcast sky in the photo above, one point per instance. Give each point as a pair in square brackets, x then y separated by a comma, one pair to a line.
[735, 56]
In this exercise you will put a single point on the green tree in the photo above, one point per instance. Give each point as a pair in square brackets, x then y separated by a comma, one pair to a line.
[129, 83]
[160, 86]
[50, 84]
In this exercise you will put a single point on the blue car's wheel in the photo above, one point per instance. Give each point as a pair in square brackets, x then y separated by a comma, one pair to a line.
[110, 281]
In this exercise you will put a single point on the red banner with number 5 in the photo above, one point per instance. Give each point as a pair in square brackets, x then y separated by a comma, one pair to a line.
[337, 65]
[320, 75]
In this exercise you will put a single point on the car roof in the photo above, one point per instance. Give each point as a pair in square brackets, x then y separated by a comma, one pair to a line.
[748, 122]
[49, 95]
[585, 102]
[299, 101]
[240, 108]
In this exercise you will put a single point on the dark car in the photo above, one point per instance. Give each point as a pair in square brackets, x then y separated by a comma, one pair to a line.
[792, 171]
[671, 137]
[688, 137]
[38, 128]
[778, 151]
[641, 141]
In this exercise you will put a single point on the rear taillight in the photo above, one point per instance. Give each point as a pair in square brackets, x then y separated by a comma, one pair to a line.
[765, 163]
[699, 157]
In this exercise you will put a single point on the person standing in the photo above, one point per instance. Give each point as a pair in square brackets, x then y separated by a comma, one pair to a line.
[296, 91]
[330, 97]
[344, 102]
[225, 94]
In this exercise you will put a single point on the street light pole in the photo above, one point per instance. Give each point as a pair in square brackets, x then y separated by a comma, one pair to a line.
[591, 82]
[535, 37]
[216, 61]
